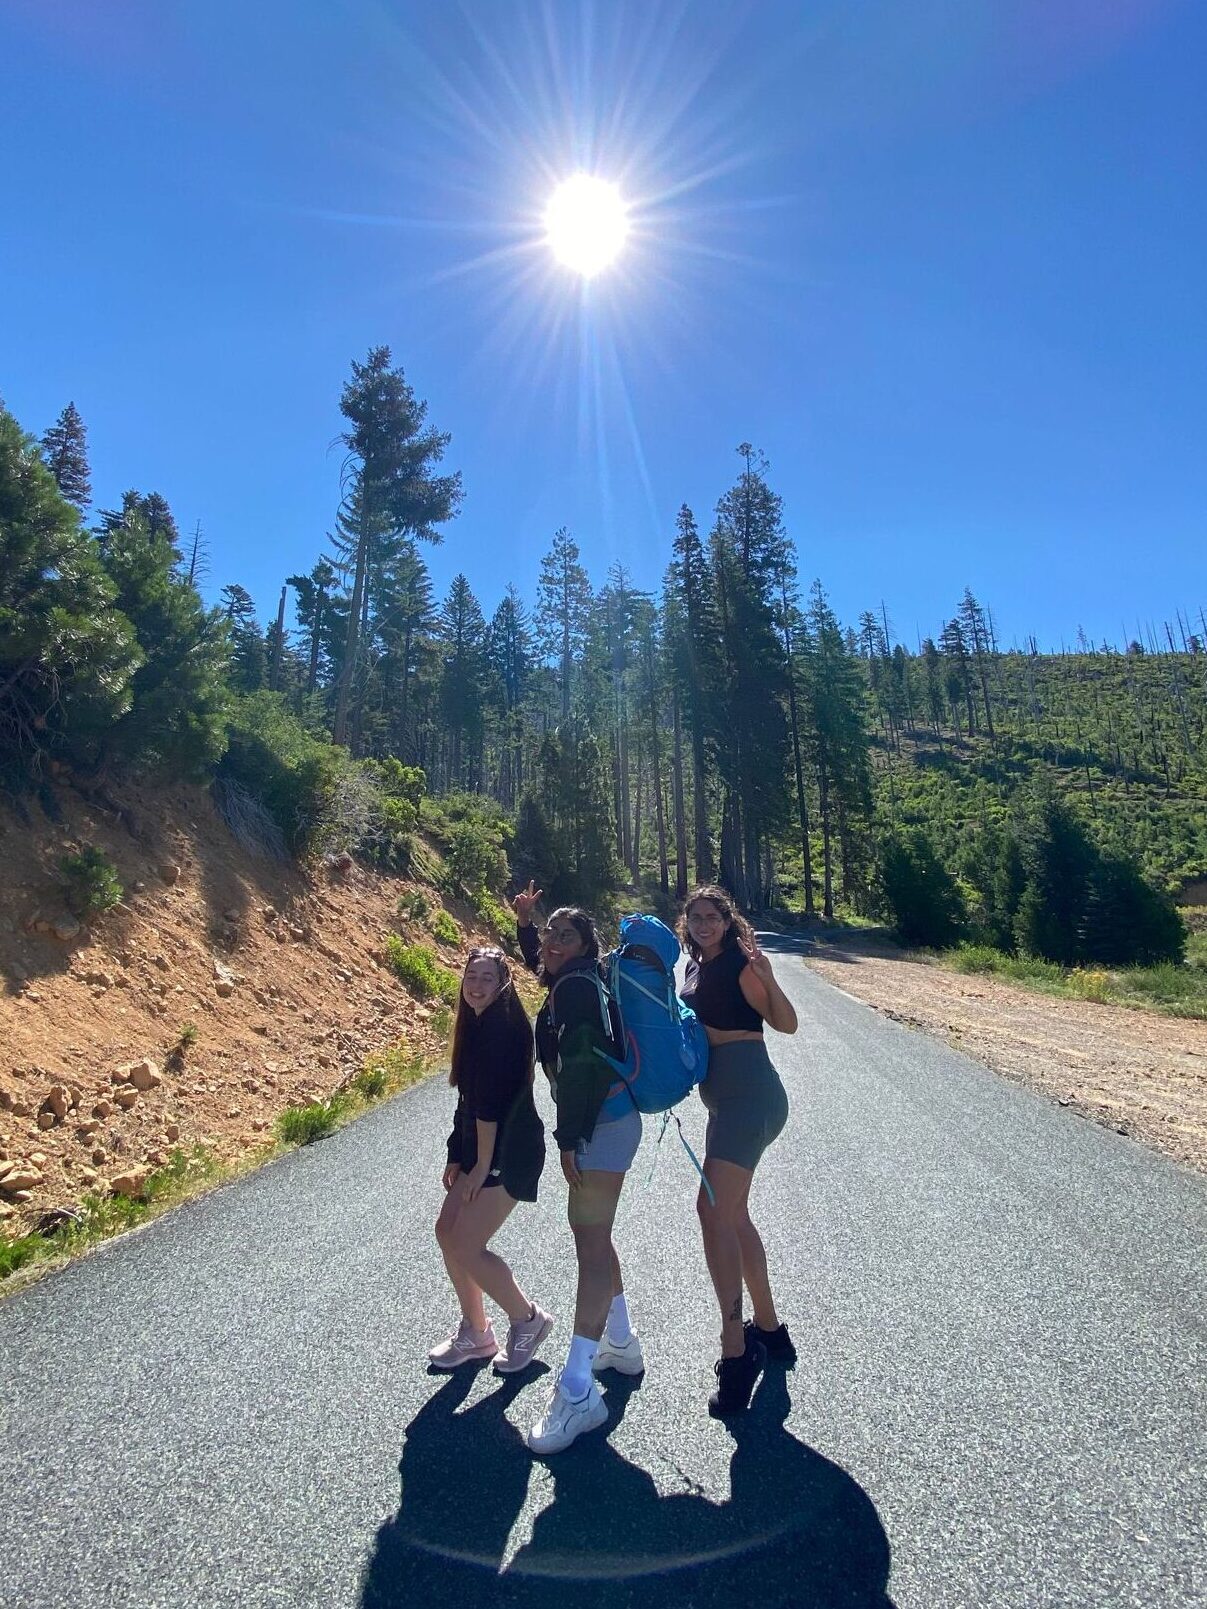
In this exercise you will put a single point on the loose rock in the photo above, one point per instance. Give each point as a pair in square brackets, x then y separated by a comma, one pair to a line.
[132, 1183]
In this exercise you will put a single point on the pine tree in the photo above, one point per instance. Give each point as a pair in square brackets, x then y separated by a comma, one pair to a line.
[177, 722]
[746, 544]
[67, 654]
[509, 655]
[248, 659]
[838, 737]
[462, 681]
[390, 490]
[976, 638]
[694, 646]
[563, 610]
[65, 454]
[796, 660]
[314, 595]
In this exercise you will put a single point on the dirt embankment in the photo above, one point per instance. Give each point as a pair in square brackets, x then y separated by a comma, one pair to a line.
[1139, 1072]
[281, 975]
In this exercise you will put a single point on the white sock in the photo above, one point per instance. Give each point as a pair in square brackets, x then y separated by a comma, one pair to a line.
[576, 1376]
[619, 1324]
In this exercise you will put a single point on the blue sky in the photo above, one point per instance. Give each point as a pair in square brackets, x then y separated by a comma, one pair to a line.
[943, 261]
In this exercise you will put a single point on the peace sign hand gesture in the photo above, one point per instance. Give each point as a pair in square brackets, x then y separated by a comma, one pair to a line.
[760, 965]
[525, 902]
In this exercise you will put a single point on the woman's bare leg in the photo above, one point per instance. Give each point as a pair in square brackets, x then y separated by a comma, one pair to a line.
[476, 1223]
[754, 1269]
[469, 1292]
[592, 1212]
[719, 1219]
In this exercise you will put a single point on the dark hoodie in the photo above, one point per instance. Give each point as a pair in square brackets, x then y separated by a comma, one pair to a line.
[569, 1031]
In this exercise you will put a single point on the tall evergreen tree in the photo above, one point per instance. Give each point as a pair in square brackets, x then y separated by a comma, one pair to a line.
[838, 736]
[563, 610]
[747, 541]
[65, 454]
[462, 681]
[391, 489]
[695, 649]
[509, 655]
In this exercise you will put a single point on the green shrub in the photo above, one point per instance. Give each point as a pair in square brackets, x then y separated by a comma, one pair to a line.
[412, 907]
[925, 900]
[394, 1067]
[443, 929]
[474, 835]
[15, 1254]
[92, 883]
[442, 1021]
[371, 1082]
[293, 774]
[498, 918]
[302, 1125]
[417, 966]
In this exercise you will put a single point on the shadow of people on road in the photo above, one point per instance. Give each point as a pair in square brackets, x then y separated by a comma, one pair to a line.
[796, 1530]
[465, 1475]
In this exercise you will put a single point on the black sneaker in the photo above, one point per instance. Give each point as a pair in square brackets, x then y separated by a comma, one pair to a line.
[735, 1380]
[778, 1342]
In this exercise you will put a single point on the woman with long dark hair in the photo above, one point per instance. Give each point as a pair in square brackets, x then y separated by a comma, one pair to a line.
[732, 989]
[575, 1030]
[496, 1152]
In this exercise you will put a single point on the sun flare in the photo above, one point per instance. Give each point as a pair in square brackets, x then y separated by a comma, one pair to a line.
[586, 224]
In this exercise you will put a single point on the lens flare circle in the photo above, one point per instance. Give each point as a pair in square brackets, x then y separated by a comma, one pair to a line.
[586, 224]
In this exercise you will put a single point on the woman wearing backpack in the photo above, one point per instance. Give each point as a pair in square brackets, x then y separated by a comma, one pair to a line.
[574, 1022]
[496, 1152]
[732, 989]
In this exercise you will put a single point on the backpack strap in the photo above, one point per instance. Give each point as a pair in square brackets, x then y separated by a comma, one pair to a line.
[601, 991]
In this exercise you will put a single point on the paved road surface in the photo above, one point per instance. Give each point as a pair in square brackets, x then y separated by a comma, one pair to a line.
[1000, 1311]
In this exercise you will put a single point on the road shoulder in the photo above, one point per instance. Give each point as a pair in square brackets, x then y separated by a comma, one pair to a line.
[1137, 1072]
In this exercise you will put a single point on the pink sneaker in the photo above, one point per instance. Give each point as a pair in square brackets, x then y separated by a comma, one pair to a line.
[523, 1339]
[464, 1345]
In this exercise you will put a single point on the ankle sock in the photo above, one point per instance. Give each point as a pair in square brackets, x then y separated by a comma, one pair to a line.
[619, 1327]
[576, 1376]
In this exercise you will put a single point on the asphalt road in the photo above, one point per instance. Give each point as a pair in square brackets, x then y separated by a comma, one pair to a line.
[999, 1308]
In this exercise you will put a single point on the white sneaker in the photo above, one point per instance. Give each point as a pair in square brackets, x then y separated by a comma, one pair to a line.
[563, 1419]
[625, 1359]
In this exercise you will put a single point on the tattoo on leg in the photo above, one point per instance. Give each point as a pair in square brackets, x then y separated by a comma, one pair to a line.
[735, 1311]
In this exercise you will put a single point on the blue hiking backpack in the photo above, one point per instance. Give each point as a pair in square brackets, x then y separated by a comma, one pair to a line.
[660, 1047]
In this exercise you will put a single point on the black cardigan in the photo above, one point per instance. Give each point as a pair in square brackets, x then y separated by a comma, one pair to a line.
[568, 1034]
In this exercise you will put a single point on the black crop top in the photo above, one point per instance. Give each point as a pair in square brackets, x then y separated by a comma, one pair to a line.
[713, 992]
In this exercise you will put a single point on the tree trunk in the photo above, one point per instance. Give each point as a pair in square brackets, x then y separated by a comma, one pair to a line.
[677, 798]
[278, 645]
[823, 789]
[343, 696]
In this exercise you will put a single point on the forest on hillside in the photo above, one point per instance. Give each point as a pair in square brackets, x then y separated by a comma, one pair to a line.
[595, 736]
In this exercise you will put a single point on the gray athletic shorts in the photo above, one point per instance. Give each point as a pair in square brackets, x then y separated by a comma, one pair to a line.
[747, 1105]
[613, 1146]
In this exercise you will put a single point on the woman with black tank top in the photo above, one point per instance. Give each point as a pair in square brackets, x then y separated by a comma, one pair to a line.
[732, 989]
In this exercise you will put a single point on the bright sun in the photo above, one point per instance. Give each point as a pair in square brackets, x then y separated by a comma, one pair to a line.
[586, 223]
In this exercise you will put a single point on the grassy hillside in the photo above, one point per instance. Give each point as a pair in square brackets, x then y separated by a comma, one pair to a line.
[1123, 736]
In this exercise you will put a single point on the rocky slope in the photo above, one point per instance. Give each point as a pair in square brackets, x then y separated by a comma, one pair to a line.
[224, 988]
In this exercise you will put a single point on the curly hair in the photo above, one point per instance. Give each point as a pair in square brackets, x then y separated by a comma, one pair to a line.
[739, 927]
[514, 1015]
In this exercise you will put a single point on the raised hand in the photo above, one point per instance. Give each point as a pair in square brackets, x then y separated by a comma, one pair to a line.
[760, 964]
[525, 902]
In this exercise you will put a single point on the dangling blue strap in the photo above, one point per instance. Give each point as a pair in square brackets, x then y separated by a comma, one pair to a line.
[695, 1161]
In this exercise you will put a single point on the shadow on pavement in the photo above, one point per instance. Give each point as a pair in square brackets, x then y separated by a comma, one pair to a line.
[796, 1530]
